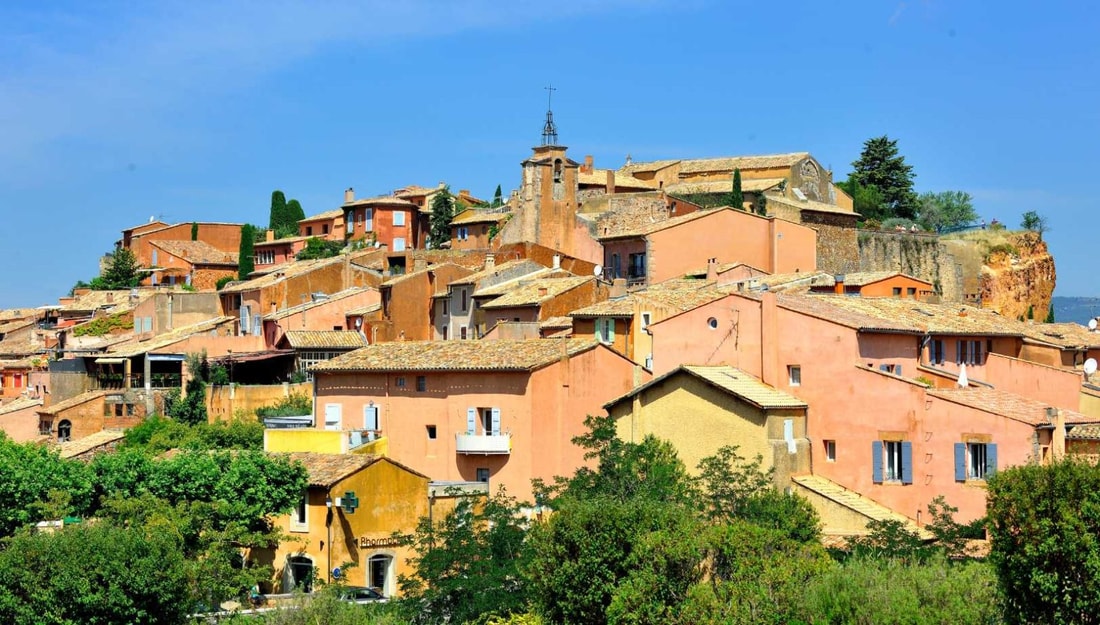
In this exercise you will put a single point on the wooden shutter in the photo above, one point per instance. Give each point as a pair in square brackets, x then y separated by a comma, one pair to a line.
[496, 421]
[876, 462]
[906, 462]
[960, 462]
[471, 421]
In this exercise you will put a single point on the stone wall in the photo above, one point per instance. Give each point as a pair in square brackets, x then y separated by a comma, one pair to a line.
[919, 255]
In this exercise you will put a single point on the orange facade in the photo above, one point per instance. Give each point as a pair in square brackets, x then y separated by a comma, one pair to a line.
[391, 222]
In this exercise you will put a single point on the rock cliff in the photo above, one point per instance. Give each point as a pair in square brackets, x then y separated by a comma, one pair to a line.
[1016, 275]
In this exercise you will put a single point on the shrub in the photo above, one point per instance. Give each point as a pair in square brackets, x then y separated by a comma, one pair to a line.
[291, 406]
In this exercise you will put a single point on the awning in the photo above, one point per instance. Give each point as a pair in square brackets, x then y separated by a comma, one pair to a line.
[252, 356]
[110, 361]
[165, 357]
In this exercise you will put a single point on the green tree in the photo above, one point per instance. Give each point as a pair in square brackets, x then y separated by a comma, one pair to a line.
[468, 565]
[1044, 523]
[760, 205]
[246, 260]
[443, 211]
[295, 213]
[320, 248]
[1050, 314]
[121, 272]
[866, 200]
[32, 475]
[194, 231]
[945, 209]
[1030, 312]
[881, 166]
[93, 573]
[1034, 222]
[222, 281]
[737, 198]
[498, 198]
[278, 217]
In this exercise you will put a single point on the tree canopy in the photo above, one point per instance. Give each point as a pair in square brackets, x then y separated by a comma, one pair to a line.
[881, 166]
[945, 209]
[1034, 222]
[443, 212]
[246, 261]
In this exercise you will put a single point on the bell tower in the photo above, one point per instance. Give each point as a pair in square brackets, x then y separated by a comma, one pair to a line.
[549, 190]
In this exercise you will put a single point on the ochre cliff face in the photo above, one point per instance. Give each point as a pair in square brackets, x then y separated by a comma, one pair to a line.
[1010, 282]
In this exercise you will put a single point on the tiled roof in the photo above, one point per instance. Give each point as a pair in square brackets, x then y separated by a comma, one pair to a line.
[283, 241]
[381, 200]
[536, 291]
[495, 355]
[363, 310]
[622, 180]
[649, 166]
[1007, 405]
[681, 299]
[729, 163]
[72, 449]
[12, 326]
[325, 339]
[332, 214]
[863, 278]
[94, 300]
[732, 381]
[136, 347]
[811, 205]
[854, 501]
[282, 272]
[501, 269]
[786, 281]
[1085, 432]
[902, 315]
[335, 297]
[197, 252]
[420, 272]
[19, 348]
[617, 307]
[556, 323]
[326, 470]
[754, 185]
[20, 403]
[1062, 334]
[474, 216]
[16, 314]
[415, 189]
[79, 400]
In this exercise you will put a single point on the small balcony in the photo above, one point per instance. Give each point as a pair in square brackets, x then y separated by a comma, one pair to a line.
[358, 438]
[484, 444]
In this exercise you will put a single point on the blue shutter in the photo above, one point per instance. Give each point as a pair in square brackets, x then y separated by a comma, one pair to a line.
[496, 421]
[885, 368]
[990, 459]
[876, 462]
[906, 462]
[958, 352]
[897, 369]
[960, 462]
[471, 421]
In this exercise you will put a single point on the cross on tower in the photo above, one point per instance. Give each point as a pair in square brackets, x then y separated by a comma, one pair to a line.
[549, 130]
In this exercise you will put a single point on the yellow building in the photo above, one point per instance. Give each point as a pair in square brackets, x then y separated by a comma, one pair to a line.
[349, 518]
[701, 409]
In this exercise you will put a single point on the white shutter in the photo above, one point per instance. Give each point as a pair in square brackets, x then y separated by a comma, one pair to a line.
[471, 421]
[496, 422]
[370, 418]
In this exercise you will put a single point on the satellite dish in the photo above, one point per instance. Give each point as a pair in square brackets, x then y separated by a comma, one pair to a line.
[598, 271]
[1092, 324]
[358, 322]
[1090, 366]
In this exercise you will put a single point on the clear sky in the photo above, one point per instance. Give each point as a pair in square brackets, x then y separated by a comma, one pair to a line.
[112, 112]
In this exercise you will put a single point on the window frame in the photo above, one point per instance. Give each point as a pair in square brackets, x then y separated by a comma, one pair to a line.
[399, 219]
[830, 450]
[794, 375]
[299, 517]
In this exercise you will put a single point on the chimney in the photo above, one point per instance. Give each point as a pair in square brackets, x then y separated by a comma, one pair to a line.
[490, 261]
[1058, 436]
[712, 270]
[610, 184]
[587, 164]
[556, 261]
[110, 296]
[269, 236]
[838, 287]
[349, 195]
[543, 291]
[618, 288]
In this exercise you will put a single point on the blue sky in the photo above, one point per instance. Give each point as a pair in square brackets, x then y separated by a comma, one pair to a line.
[113, 112]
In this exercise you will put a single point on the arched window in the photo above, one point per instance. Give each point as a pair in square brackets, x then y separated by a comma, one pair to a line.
[557, 170]
[299, 573]
[380, 573]
[64, 431]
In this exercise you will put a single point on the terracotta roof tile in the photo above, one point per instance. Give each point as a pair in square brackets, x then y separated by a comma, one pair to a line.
[138, 346]
[648, 166]
[510, 270]
[280, 273]
[495, 355]
[1084, 432]
[324, 339]
[728, 379]
[20, 403]
[332, 214]
[536, 291]
[284, 241]
[854, 501]
[1007, 405]
[902, 315]
[335, 297]
[556, 323]
[325, 470]
[79, 400]
[474, 216]
[617, 307]
[863, 278]
[94, 300]
[810, 205]
[72, 449]
[623, 180]
[19, 348]
[381, 200]
[729, 163]
[197, 252]
[1062, 334]
[639, 223]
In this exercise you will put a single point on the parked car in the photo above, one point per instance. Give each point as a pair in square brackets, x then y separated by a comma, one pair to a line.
[361, 595]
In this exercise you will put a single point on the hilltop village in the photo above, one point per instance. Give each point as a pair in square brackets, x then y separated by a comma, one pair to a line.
[441, 369]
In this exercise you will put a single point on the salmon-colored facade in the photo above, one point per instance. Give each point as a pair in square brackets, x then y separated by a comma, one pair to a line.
[386, 220]
[221, 236]
[324, 314]
[407, 303]
[498, 424]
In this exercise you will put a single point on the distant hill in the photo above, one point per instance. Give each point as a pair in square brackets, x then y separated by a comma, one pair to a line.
[1076, 309]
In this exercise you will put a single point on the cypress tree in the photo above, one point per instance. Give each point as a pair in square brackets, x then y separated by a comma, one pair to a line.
[194, 231]
[278, 215]
[443, 207]
[294, 214]
[498, 198]
[245, 261]
[1050, 314]
[1030, 312]
[737, 199]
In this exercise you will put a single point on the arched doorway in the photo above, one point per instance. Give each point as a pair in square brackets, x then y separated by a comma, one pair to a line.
[64, 430]
[299, 573]
[380, 573]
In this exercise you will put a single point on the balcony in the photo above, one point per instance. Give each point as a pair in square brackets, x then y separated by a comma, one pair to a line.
[484, 444]
[358, 438]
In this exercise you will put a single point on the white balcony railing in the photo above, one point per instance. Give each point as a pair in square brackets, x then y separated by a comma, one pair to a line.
[483, 444]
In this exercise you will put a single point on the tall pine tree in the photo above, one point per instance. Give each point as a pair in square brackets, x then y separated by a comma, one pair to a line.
[737, 198]
[880, 166]
[294, 213]
[443, 206]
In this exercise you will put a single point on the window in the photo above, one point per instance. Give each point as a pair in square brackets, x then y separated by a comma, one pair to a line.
[897, 291]
[369, 213]
[616, 266]
[637, 267]
[890, 368]
[969, 352]
[794, 375]
[379, 569]
[301, 573]
[892, 461]
[910, 292]
[399, 218]
[445, 333]
[64, 431]
[399, 382]
[309, 231]
[712, 323]
[974, 461]
[557, 171]
[647, 318]
[605, 330]
[421, 383]
[118, 410]
[465, 301]
[483, 474]
[830, 451]
[371, 421]
[935, 351]
[463, 233]
[432, 433]
[446, 307]
[334, 417]
[299, 519]
[324, 228]
[399, 244]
